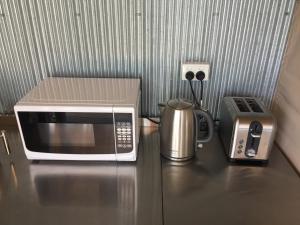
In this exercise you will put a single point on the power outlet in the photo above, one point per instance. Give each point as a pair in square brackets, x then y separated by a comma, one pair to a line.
[195, 67]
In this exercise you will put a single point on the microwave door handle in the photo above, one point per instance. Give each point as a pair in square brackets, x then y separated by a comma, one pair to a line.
[3, 135]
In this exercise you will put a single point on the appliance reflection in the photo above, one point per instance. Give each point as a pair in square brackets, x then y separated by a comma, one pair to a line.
[108, 186]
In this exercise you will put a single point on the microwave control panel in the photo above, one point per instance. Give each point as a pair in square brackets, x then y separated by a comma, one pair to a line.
[123, 131]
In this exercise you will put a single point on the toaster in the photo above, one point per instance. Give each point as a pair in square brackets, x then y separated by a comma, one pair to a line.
[247, 129]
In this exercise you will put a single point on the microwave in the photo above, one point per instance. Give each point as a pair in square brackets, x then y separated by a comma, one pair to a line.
[81, 119]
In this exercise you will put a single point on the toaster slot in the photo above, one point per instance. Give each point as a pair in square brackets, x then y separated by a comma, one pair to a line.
[253, 140]
[241, 104]
[254, 105]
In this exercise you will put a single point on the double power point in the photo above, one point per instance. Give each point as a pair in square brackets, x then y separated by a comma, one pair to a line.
[195, 71]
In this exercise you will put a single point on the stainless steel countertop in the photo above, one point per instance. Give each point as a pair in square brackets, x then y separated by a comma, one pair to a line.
[209, 190]
[153, 190]
[81, 192]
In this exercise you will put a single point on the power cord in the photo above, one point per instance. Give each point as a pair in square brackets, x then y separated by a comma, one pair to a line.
[200, 76]
[194, 95]
[201, 93]
[203, 126]
[153, 121]
[190, 76]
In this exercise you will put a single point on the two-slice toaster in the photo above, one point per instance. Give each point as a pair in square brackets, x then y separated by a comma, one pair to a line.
[247, 129]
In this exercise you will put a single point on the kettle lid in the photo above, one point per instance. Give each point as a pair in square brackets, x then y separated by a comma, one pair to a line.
[179, 103]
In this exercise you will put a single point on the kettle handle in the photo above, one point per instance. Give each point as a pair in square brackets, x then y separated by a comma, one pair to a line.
[210, 123]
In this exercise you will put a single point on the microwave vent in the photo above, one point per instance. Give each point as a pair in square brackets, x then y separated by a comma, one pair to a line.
[242, 106]
[254, 105]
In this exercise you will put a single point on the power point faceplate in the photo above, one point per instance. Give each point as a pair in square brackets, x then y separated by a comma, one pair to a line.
[195, 67]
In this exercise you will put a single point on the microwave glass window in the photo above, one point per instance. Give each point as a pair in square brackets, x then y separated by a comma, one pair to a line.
[68, 133]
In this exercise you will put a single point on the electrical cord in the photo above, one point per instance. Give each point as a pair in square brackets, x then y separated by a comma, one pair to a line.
[193, 93]
[153, 121]
[201, 93]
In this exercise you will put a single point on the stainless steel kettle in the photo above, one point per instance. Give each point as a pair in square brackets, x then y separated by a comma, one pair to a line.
[179, 129]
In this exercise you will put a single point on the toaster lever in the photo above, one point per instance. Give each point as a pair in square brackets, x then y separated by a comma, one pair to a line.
[253, 140]
[255, 135]
[250, 152]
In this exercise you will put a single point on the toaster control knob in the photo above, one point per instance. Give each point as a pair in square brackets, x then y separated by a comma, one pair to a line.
[250, 153]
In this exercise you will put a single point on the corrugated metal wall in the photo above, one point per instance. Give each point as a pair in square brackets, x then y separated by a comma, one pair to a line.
[243, 40]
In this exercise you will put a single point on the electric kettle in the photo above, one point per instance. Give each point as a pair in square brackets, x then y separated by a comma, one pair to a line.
[179, 129]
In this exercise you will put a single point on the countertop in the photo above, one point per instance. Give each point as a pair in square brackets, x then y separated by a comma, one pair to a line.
[153, 190]
[80, 193]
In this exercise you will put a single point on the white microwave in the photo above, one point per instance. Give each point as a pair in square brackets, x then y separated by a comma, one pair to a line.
[81, 119]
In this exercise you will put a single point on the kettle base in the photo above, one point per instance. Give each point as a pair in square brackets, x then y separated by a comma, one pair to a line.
[177, 159]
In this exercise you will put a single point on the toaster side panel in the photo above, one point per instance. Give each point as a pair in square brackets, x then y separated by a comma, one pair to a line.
[226, 128]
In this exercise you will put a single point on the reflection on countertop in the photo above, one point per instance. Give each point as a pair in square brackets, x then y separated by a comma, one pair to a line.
[68, 192]
[207, 189]
[85, 185]
[210, 190]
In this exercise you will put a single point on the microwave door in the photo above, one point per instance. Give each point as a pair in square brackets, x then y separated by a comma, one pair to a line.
[68, 132]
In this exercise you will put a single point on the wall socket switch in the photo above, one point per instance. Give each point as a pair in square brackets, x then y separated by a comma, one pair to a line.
[195, 67]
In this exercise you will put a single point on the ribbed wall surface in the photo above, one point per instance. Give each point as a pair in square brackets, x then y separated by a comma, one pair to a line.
[243, 40]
